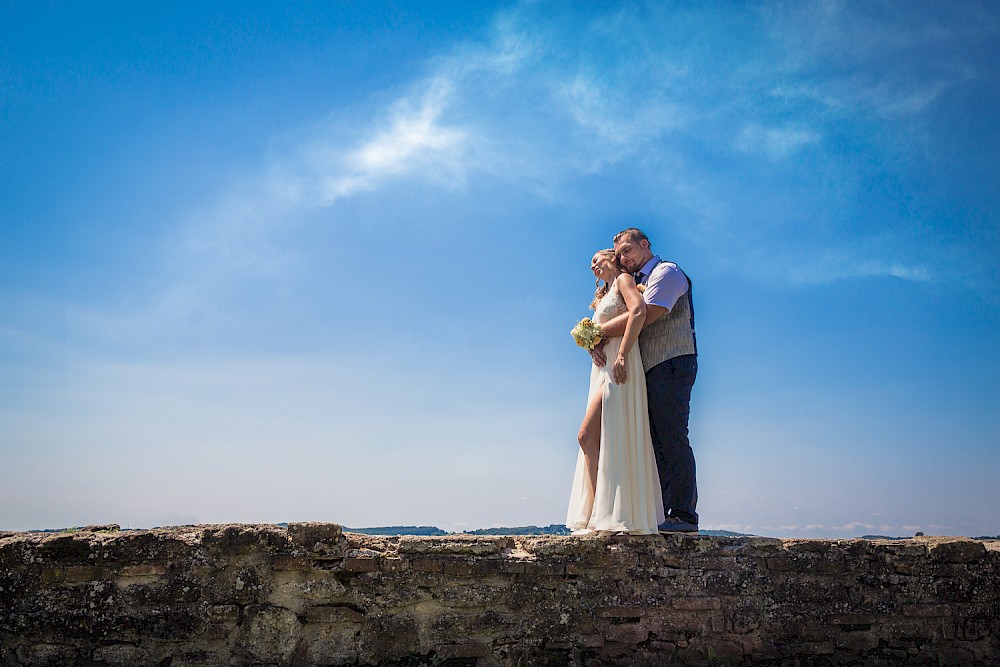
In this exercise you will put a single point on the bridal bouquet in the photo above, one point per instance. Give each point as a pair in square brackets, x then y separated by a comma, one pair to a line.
[587, 334]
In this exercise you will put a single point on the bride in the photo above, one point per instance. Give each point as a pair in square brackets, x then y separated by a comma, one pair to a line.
[616, 487]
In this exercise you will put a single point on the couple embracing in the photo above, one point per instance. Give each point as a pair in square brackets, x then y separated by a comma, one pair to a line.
[635, 472]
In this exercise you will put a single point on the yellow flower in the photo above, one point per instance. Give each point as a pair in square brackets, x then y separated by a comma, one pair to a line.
[587, 334]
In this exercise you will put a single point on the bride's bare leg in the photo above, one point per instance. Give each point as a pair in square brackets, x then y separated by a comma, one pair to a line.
[590, 437]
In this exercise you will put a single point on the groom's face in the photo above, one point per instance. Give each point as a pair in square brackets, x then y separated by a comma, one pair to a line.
[632, 255]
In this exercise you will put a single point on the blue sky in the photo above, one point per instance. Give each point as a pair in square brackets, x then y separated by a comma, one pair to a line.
[319, 261]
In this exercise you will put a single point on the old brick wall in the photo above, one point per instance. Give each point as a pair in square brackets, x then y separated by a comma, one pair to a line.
[312, 595]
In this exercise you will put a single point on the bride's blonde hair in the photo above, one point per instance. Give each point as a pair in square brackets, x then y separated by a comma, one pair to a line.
[603, 289]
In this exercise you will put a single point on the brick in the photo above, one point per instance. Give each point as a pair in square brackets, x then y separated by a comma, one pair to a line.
[426, 565]
[459, 568]
[629, 633]
[828, 567]
[695, 604]
[393, 565]
[809, 546]
[906, 549]
[217, 631]
[333, 614]
[543, 569]
[147, 570]
[292, 564]
[716, 649]
[713, 563]
[360, 564]
[75, 574]
[782, 564]
[460, 651]
[489, 566]
[228, 613]
[850, 619]
[857, 641]
[766, 544]
[809, 648]
[926, 610]
[621, 612]
[325, 539]
[958, 551]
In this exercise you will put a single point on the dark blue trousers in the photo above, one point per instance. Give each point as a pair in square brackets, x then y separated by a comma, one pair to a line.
[668, 387]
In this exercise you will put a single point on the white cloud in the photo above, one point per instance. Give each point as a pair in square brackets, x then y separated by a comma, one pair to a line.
[845, 264]
[775, 142]
[510, 49]
[909, 101]
[893, 63]
[853, 526]
[613, 117]
[415, 140]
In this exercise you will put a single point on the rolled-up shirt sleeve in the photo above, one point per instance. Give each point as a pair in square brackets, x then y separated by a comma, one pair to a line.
[665, 285]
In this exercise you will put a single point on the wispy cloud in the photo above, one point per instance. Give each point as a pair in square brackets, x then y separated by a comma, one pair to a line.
[847, 266]
[878, 58]
[849, 529]
[415, 141]
[608, 116]
[774, 142]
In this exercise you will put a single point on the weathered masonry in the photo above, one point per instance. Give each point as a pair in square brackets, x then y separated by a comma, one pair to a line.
[313, 595]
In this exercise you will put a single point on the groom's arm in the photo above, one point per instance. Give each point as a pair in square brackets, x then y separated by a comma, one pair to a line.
[616, 327]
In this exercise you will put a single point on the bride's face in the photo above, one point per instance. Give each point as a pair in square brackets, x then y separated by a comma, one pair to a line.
[604, 267]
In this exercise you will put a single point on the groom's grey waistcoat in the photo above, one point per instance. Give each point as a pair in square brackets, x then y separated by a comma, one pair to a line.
[670, 336]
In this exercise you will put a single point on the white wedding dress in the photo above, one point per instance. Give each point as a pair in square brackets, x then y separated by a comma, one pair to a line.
[627, 496]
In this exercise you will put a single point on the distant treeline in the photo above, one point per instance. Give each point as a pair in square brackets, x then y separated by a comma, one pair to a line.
[397, 530]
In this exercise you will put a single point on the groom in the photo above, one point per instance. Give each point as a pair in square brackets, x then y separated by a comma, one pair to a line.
[670, 360]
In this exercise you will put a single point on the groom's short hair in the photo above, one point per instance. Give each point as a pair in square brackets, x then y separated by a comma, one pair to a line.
[634, 235]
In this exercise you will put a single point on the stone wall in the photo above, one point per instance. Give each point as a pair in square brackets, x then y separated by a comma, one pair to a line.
[312, 595]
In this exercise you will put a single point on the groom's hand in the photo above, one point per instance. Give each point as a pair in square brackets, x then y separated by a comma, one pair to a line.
[597, 354]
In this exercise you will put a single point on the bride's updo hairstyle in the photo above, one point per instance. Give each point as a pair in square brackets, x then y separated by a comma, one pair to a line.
[603, 289]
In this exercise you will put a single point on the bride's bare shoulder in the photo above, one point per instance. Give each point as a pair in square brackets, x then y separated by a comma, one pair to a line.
[625, 280]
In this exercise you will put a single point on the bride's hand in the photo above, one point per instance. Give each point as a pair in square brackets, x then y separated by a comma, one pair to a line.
[620, 374]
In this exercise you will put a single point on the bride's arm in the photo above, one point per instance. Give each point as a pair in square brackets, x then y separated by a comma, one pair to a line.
[636, 314]
[616, 325]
